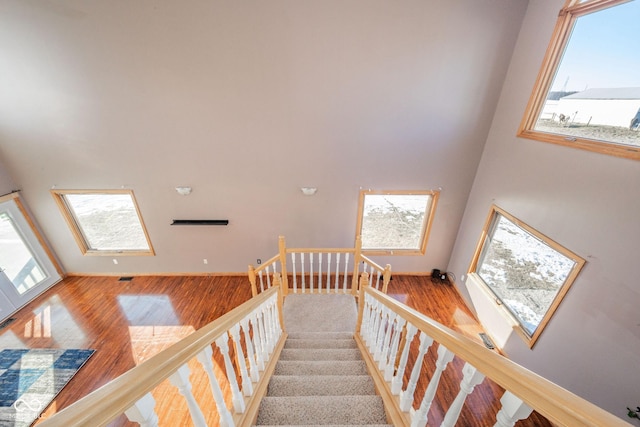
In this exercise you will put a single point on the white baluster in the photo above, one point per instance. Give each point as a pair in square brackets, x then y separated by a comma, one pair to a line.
[376, 317]
[204, 357]
[383, 333]
[268, 272]
[311, 272]
[378, 280]
[261, 282]
[238, 401]
[336, 284]
[421, 416]
[276, 317]
[365, 328]
[268, 324]
[320, 272]
[253, 368]
[384, 348]
[180, 379]
[328, 272]
[513, 410]
[406, 399]
[389, 368]
[247, 388]
[257, 340]
[295, 278]
[302, 271]
[275, 321]
[472, 377]
[346, 266]
[396, 383]
[266, 333]
[143, 412]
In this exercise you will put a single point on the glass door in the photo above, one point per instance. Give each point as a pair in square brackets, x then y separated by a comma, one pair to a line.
[25, 268]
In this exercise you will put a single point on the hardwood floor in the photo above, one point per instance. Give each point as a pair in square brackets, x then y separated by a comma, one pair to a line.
[128, 322]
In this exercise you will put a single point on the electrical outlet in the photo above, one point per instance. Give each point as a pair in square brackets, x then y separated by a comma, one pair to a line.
[205, 261]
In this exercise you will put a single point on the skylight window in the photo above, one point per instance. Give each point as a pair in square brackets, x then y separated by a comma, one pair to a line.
[587, 94]
[104, 222]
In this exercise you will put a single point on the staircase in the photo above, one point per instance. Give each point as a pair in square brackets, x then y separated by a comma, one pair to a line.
[321, 379]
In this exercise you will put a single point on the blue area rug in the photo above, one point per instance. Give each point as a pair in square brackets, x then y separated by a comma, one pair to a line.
[31, 378]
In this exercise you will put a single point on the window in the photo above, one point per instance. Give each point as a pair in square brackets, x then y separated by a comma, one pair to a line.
[587, 94]
[395, 222]
[104, 222]
[527, 273]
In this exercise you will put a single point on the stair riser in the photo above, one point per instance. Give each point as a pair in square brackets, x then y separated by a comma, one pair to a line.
[320, 354]
[321, 385]
[285, 367]
[350, 343]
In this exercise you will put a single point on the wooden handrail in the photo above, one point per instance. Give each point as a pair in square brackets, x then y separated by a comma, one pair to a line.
[266, 263]
[557, 404]
[114, 398]
[321, 250]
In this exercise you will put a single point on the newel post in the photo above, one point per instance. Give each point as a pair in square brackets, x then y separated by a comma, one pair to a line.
[356, 265]
[364, 281]
[283, 263]
[252, 280]
[386, 278]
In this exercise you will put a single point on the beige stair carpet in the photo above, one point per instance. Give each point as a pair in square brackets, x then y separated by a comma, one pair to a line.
[321, 379]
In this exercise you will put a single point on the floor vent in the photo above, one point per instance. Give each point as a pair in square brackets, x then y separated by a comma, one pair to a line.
[487, 341]
[7, 322]
[125, 279]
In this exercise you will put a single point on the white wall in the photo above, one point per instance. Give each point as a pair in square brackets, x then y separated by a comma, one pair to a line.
[246, 102]
[587, 202]
[6, 183]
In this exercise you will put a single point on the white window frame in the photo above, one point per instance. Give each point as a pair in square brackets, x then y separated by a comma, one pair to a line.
[76, 229]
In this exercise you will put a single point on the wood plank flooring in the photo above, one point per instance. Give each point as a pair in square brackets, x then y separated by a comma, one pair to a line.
[128, 322]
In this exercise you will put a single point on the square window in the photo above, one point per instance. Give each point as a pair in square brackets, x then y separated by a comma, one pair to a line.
[395, 223]
[527, 273]
[104, 222]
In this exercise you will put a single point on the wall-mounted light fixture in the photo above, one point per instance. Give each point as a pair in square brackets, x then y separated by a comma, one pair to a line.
[183, 191]
[308, 191]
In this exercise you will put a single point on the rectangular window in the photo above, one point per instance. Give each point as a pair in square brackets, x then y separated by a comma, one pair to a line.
[395, 222]
[104, 222]
[526, 272]
[587, 94]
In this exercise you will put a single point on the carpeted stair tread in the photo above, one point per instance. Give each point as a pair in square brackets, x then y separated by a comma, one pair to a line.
[320, 378]
[350, 410]
[321, 385]
[320, 354]
[321, 335]
[320, 343]
[312, 367]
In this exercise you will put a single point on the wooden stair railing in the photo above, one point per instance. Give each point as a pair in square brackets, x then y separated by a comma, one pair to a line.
[324, 270]
[255, 327]
[386, 330]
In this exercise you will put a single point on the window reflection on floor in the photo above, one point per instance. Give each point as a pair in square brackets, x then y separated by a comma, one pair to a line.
[53, 322]
[153, 324]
